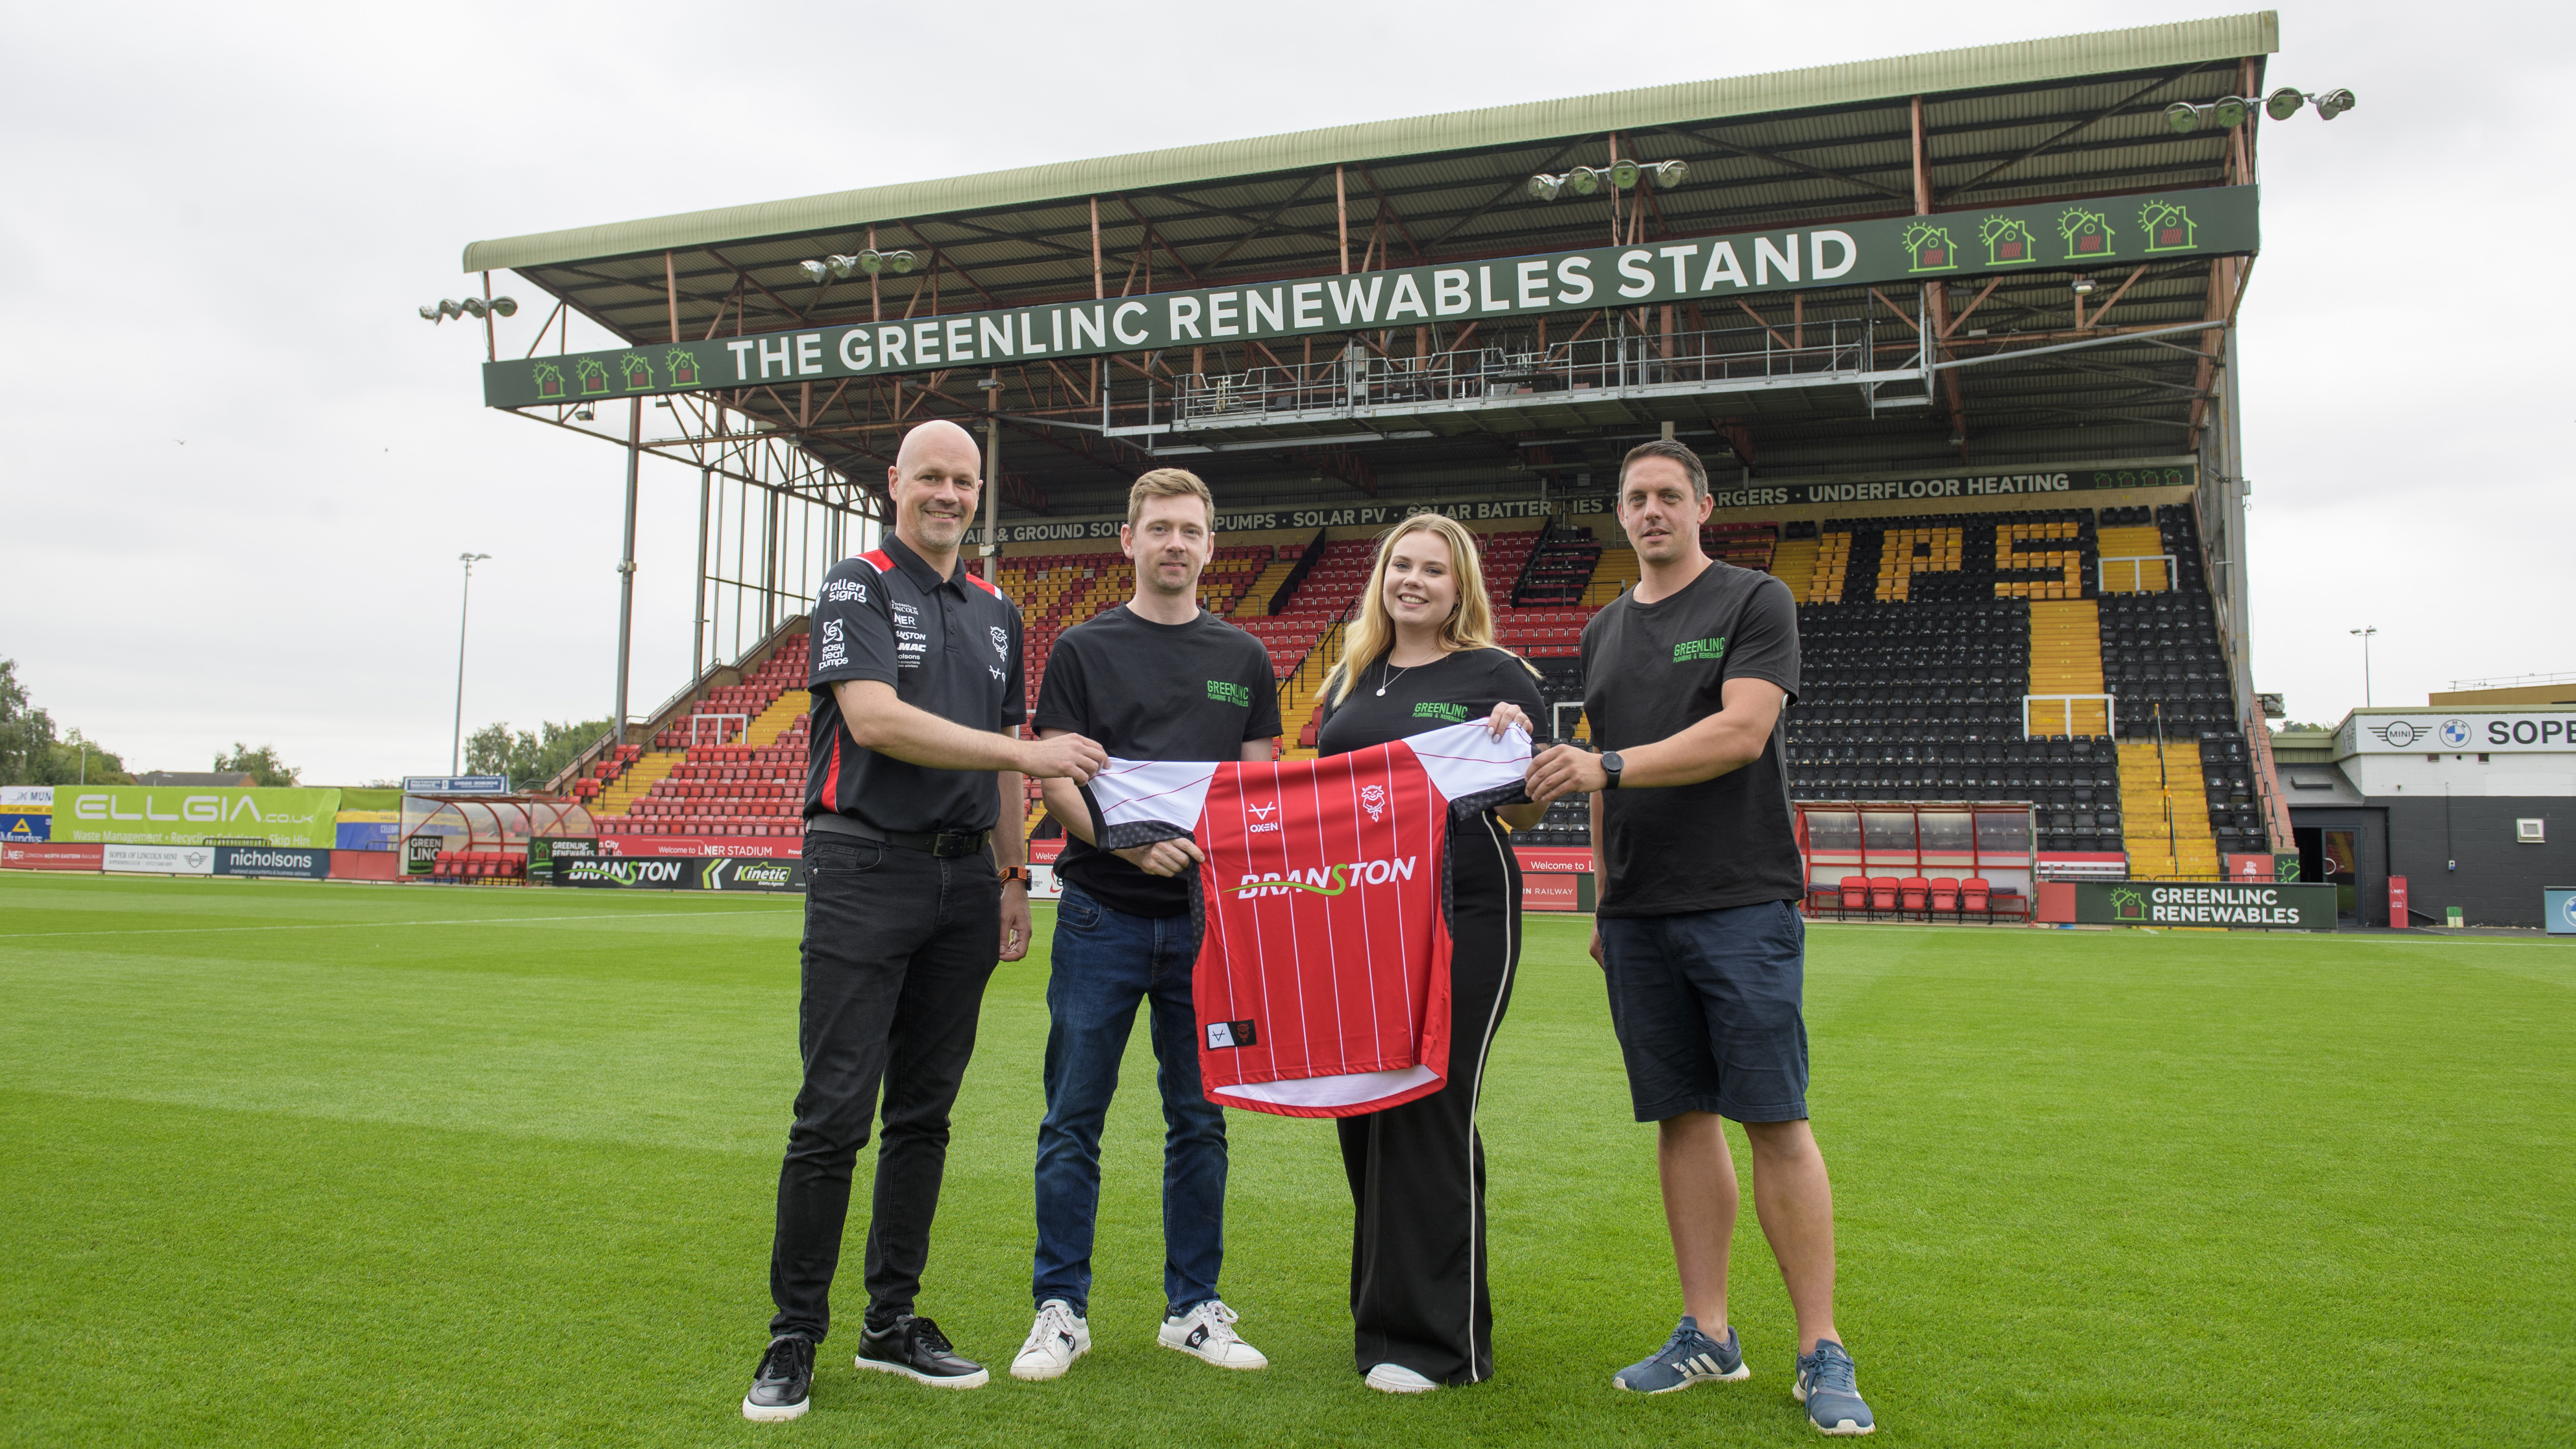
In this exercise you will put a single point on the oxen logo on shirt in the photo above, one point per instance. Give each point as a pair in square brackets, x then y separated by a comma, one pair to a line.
[1261, 816]
[1373, 800]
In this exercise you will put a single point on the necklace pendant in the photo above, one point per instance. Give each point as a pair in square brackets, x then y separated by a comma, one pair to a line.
[1381, 691]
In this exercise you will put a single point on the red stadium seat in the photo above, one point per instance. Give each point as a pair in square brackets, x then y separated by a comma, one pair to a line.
[1912, 892]
[1882, 893]
[1945, 894]
[1855, 892]
[1976, 895]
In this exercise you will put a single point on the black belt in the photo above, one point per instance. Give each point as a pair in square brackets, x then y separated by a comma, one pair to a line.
[943, 844]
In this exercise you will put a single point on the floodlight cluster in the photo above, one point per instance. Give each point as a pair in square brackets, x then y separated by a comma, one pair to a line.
[2229, 112]
[1622, 175]
[474, 307]
[870, 261]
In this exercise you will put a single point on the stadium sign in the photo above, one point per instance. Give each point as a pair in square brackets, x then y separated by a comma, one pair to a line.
[159, 859]
[2056, 237]
[725, 873]
[269, 860]
[160, 815]
[2173, 903]
[2550, 730]
[456, 784]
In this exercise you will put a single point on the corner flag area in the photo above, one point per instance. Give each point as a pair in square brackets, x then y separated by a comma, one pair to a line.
[290, 1163]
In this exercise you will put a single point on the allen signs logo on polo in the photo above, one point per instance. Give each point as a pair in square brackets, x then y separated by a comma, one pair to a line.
[2213, 221]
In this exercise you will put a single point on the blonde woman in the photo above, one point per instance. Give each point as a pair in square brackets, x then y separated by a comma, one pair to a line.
[1421, 656]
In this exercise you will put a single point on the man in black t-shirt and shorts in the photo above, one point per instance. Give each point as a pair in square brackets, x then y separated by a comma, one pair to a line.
[1155, 678]
[1698, 929]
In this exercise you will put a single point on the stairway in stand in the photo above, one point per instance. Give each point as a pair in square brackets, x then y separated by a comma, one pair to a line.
[1794, 564]
[2161, 783]
[2135, 542]
[1612, 575]
[2066, 658]
[1255, 602]
[636, 783]
[1302, 692]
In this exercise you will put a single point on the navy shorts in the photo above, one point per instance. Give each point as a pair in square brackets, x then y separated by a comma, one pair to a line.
[1706, 1006]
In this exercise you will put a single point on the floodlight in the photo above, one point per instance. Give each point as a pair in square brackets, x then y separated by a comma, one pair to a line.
[1584, 179]
[871, 261]
[2083, 285]
[842, 266]
[2183, 116]
[431, 314]
[1623, 173]
[900, 263]
[2334, 103]
[2284, 103]
[2230, 111]
[1671, 173]
[815, 272]
[474, 307]
[582, 414]
[1545, 187]
[505, 306]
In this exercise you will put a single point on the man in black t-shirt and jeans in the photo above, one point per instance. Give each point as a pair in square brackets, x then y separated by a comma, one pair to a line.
[912, 897]
[1157, 678]
[1698, 929]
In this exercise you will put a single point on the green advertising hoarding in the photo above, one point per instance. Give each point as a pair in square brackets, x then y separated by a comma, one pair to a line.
[195, 815]
[2111, 234]
[2276, 906]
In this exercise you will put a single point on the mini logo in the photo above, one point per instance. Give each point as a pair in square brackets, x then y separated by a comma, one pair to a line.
[2400, 733]
[1373, 800]
[1001, 642]
[2456, 733]
[1222, 1034]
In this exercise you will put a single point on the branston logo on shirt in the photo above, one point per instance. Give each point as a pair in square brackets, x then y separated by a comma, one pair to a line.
[1326, 880]
[1690, 649]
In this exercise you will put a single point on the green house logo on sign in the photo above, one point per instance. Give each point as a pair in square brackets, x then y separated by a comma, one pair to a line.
[637, 369]
[550, 380]
[2008, 242]
[1928, 249]
[593, 374]
[2087, 233]
[2128, 905]
[2169, 227]
[683, 364]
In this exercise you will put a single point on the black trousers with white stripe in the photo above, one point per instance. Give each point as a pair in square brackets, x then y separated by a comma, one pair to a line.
[1418, 1291]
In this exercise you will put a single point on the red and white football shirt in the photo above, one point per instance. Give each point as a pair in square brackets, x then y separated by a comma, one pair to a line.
[1322, 984]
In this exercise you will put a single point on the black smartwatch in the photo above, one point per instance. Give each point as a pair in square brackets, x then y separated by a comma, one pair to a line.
[1611, 764]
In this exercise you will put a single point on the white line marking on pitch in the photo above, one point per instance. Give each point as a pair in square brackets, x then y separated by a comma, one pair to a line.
[371, 925]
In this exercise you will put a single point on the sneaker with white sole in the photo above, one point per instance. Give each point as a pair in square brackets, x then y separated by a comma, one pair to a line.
[781, 1388]
[1829, 1385]
[915, 1348]
[1395, 1378]
[1058, 1338]
[1687, 1358]
[1206, 1331]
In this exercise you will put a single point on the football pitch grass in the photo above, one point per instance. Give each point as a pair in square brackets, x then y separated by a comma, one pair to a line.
[295, 1163]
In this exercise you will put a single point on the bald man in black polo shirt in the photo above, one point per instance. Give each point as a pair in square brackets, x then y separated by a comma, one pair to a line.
[913, 897]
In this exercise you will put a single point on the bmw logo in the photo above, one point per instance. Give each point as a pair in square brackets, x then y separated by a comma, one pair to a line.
[2456, 733]
[2568, 909]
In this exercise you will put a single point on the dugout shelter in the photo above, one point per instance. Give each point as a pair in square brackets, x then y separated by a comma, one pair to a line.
[1955, 331]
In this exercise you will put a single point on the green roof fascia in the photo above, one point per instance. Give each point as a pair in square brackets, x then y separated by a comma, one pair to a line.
[1984, 67]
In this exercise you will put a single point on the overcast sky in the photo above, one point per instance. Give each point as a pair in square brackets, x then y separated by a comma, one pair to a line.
[241, 468]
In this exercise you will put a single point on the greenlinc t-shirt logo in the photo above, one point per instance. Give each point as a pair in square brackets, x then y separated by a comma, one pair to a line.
[1228, 693]
[1454, 713]
[1690, 649]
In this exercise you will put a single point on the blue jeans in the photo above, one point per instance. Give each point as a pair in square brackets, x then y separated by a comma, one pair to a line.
[1105, 962]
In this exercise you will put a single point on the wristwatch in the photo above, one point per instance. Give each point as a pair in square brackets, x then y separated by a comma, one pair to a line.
[1010, 873]
[1611, 764]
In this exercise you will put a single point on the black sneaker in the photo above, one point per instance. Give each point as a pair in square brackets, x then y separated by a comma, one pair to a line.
[914, 1347]
[781, 1386]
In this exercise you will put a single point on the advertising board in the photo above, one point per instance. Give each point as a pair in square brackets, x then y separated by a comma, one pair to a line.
[194, 815]
[545, 850]
[2205, 903]
[26, 812]
[159, 859]
[456, 784]
[300, 862]
[2548, 730]
[420, 853]
[49, 855]
[2559, 912]
[724, 873]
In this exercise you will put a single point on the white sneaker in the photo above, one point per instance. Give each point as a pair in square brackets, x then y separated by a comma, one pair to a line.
[1207, 1331]
[1055, 1341]
[1395, 1378]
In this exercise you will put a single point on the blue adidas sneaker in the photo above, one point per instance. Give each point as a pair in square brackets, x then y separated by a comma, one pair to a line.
[1687, 1358]
[1829, 1385]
